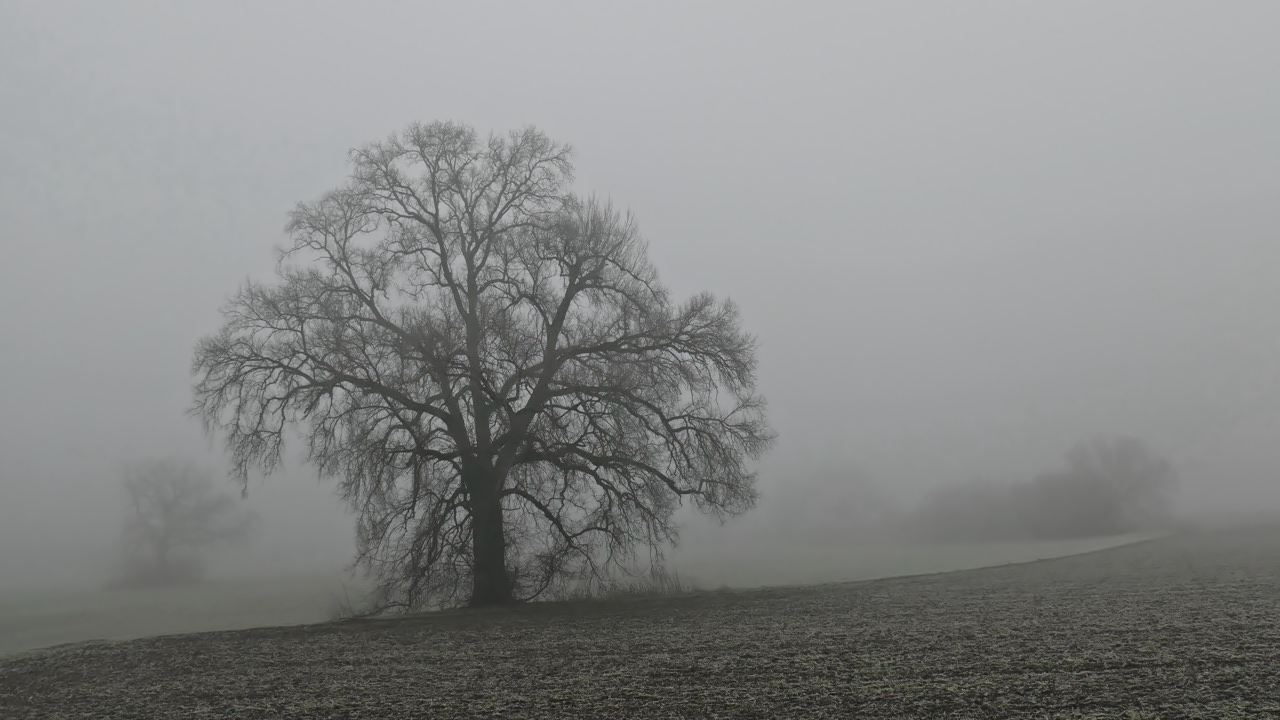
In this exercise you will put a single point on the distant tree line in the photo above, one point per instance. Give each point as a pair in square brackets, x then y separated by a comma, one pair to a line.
[1110, 486]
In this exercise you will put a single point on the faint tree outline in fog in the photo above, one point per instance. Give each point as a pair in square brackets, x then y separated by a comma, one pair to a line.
[489, 364]
[1110, 486]
[175, 516]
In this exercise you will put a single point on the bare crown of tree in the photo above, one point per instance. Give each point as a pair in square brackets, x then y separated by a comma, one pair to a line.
[490, 366]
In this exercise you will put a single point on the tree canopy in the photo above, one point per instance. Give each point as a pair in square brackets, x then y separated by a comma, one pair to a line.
[489, 364]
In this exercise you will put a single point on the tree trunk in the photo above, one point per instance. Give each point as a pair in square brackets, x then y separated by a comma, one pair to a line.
[490, 584]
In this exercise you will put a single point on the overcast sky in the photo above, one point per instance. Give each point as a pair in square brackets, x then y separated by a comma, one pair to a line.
[967, 235]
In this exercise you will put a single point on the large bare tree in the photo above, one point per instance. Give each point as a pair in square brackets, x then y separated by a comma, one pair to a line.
[489, 364]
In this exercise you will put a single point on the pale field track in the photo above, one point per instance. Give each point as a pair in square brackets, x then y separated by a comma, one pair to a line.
[1181, 627]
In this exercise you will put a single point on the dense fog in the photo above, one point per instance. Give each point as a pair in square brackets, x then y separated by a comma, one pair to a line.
[968, 237]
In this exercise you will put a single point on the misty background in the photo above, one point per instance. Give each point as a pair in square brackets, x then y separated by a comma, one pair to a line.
[967, 236]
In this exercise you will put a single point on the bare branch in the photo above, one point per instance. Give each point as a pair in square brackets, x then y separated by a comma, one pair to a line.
[490, 366]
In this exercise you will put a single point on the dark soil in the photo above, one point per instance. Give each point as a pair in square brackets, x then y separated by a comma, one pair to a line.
[1185, 627]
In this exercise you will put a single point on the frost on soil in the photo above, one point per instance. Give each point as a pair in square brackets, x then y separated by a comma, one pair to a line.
[1183, 627]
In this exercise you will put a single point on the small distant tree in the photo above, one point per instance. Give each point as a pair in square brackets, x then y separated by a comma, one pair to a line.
[175, 515]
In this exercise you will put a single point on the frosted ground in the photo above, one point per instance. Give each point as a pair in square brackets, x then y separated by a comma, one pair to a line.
[30, 620]
[1184, 626]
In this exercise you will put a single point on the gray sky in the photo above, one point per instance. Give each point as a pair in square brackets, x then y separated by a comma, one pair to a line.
[966, 234]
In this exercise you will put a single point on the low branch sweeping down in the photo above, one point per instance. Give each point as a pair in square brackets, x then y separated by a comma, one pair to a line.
[491, 368]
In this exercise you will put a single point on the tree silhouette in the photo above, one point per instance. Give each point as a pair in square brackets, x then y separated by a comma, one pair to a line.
[175, 515]
[489, 363]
